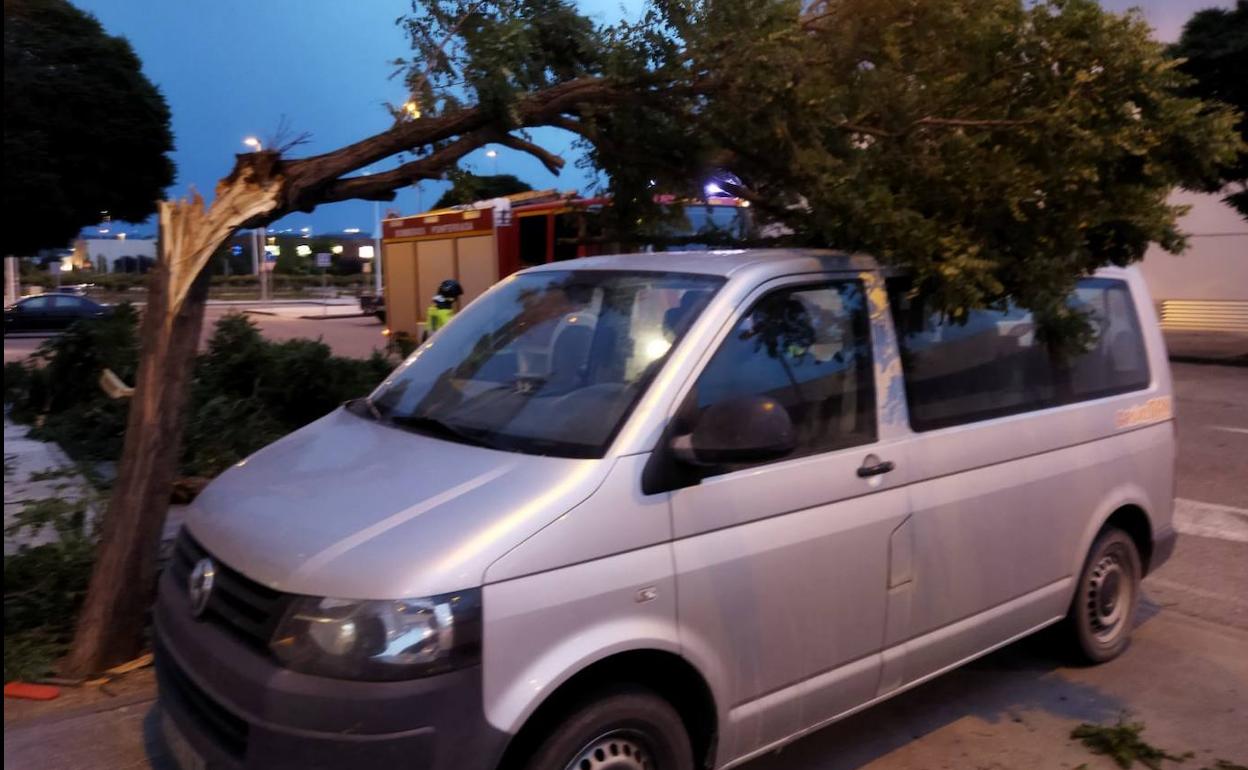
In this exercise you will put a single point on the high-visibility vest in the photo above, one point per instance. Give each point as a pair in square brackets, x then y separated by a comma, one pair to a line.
[439, 317]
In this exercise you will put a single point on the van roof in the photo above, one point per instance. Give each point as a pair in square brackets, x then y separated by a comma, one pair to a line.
[723, 262]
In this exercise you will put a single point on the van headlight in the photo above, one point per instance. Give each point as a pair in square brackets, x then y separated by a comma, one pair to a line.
[380, 640]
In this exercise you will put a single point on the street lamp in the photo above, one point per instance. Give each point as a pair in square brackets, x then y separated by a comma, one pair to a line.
[258, 236]
[411, 108]
[378, 282]
[493, 156]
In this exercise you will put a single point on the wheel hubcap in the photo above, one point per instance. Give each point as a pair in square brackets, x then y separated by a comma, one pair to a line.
[1108, 596]
[617, 750]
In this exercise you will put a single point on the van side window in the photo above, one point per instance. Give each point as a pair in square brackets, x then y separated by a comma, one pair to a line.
[994, 364]
[808, 348]
[1117, 361]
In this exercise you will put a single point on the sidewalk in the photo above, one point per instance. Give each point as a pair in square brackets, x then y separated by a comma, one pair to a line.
[1227, 348]
[39, 470]
[35, 471]
[309, 310]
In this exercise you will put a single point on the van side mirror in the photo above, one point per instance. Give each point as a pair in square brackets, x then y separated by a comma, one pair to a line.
[747, 429]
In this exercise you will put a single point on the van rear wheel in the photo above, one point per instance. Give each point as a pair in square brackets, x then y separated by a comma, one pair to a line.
[1103, 610]
[627, 728]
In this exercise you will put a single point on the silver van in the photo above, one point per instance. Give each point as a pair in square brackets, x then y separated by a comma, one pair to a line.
[668, 511]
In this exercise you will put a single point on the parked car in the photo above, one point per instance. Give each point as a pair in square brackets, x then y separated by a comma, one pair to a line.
[79, 289]
[374, 305]
[668, 511]
[50, 312]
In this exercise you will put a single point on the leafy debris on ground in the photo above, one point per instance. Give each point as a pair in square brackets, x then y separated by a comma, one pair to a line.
[1122, 743]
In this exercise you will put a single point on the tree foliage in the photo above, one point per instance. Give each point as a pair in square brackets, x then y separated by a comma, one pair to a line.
[1214, 51]
[85, 131]
[993, 148]
[467, 188]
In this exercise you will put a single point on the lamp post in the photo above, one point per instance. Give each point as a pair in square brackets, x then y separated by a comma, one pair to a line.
[412, 112]
[493, 156]
[377, 284]
[260, 235]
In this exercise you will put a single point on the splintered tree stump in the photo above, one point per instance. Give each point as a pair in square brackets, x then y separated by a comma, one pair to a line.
[110, 626]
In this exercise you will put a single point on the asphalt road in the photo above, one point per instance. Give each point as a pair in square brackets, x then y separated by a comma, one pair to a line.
[1212, 409]
[1185, 675]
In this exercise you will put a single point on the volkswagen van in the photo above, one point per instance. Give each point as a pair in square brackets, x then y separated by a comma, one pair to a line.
[668, 511]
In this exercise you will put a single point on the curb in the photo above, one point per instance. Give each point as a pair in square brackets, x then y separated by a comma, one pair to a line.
[1239, 360]
[308, 317]
[332, 317]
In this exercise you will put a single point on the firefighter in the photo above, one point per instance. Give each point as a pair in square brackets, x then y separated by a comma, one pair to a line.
[443, 307]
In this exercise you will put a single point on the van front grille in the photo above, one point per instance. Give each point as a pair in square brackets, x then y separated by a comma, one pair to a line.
[237, 603]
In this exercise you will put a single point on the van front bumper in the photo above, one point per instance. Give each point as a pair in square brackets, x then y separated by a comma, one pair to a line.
[233, 707]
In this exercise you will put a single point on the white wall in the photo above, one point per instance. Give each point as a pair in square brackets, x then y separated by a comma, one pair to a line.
[1215, 265]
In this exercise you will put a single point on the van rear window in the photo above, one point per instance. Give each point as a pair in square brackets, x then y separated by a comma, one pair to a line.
[994, 364]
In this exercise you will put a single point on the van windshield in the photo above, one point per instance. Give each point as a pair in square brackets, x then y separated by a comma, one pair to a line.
[546, 363]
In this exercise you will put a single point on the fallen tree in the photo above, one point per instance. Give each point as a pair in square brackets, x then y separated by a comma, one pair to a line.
[996, 149]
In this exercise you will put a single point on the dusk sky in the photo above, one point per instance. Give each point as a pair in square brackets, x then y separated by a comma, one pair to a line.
[233, 68]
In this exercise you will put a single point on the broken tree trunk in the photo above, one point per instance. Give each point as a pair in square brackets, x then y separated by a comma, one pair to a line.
[111, 624]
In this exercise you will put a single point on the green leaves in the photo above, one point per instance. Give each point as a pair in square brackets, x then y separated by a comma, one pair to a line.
[1122, 743]
[84, 131]
[1213, 51]
[992, 148]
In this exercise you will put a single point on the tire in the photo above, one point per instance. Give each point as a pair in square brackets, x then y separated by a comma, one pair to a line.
[624, 728]
[1102, 613]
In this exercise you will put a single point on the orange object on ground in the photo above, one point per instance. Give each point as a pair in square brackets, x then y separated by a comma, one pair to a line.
[31, 691]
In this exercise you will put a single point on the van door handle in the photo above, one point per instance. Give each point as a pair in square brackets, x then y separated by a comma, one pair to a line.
[875, 470]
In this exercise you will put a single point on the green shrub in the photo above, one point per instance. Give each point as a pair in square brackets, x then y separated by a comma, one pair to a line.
[246, 391]
[71, 362]
[44, 587]
[223, 430]
[17, 375]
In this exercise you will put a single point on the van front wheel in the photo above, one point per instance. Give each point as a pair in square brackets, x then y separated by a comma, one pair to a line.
[1103, 610]
[619, 729]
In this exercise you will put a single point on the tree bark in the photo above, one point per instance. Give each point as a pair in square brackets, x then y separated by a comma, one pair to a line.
[113, 618]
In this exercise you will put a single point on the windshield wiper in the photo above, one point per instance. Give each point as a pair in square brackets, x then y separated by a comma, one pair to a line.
[434, 426]
[369, 408]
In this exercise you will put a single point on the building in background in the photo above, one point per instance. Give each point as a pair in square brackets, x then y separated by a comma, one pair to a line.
[1206, 287]
[114, 253]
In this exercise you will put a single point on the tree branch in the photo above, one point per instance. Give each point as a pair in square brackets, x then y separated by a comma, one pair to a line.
[440, 49]
[382, 186]
[531, 109]
[552, 162]
[970, 122]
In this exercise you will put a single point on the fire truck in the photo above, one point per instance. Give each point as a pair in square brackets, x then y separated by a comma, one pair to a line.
[481, 243]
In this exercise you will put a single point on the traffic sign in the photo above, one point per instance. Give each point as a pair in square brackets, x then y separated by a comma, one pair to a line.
[322, 259]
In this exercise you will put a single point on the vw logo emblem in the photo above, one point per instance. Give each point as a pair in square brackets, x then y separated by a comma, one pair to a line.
[199, 585]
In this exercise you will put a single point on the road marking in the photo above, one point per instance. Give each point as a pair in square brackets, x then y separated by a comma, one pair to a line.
[1203, 593]
[1227, 428]
[1224, 522]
